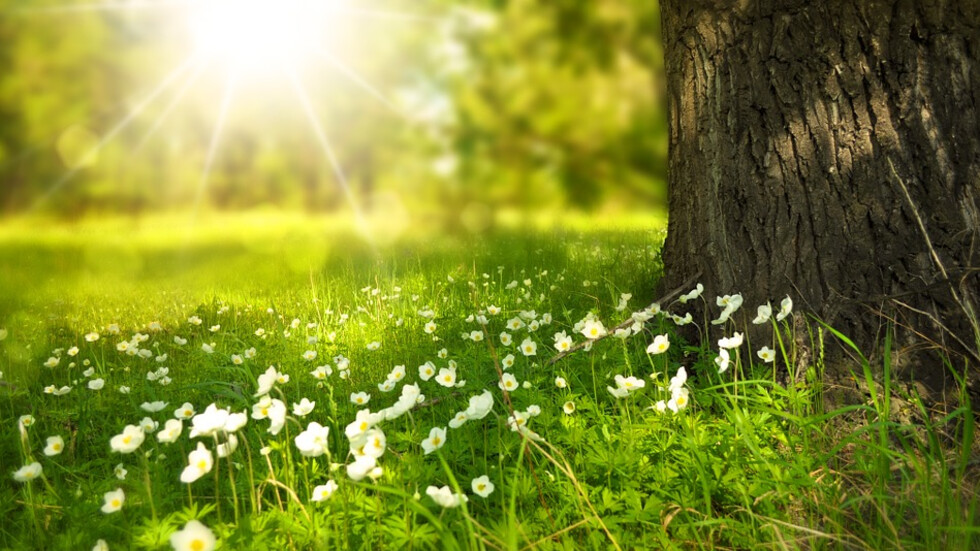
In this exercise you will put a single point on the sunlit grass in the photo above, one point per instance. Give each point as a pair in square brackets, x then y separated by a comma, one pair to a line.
[751, 459]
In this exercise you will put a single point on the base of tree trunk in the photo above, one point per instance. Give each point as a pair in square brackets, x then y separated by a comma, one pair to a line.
[830, 151]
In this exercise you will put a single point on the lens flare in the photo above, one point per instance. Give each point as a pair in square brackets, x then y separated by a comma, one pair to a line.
[258, 35]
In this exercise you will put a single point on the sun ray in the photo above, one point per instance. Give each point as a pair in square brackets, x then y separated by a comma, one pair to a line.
[172, 105]
[321, 137]
[358, 80]
[219, 126]
[116, 129]
[106, 6]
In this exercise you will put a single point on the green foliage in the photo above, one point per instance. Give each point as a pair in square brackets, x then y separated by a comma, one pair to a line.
[529, 104]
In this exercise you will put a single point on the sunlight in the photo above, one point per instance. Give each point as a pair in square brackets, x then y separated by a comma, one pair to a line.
[258, 35]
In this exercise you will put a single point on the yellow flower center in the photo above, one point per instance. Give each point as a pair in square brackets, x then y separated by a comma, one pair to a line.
[127, 439]
[448, 378]
[480, 487]
[115, 504]
[436, 440]
[364, 426]
[197, 545]
[265, 411]
[202, 465]
[56, 446]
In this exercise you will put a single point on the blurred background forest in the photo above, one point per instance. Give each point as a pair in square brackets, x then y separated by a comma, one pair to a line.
[454, 110]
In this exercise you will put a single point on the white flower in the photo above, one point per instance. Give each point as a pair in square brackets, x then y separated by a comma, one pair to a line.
[785, 308]
[209, 422]
[153, 407]
[199, 463]
[593, 329]
[763, 314]
[480, 405]
[560, 382]
[627, 385]
[186, 411]
[678, 400]
[323, 491]
[128, 441]
[659, 407]
[731, 342]
[55, 445]
[563, 343]
[373, 345]
[228, 447]
[691, 295]
[426, 371]
[194, 537]
[362, 466]
[303, 408]
[148, 425]
[722, 360]
[458, 420]
[476, 336]
[91, 337]
[28, 472]
[266, 381]
[309, 355]
[113, 501]
[436, 440]
[508, 382]
[568, 407]
[507, 362]
[120, 471]
[446, 377]
[482, 486]
[52, 362]
[313, 441]
[766, 354]
[96, 384]
[362, 423]
[360, 398]
[445, 497]
[678, 320]
[659, 345]
[100, 545]
[171, 431]
[321, 372]
[529, 347]
[678, 380]
[375, 443]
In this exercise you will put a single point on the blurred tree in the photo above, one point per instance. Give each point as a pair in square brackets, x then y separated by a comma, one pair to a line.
[829, 151]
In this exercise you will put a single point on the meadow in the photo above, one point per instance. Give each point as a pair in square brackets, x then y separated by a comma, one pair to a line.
[274, 382]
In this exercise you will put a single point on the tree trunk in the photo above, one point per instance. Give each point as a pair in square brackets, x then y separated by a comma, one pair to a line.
[829, 151]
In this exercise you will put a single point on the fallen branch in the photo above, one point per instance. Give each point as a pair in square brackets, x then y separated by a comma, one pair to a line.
[628, 322]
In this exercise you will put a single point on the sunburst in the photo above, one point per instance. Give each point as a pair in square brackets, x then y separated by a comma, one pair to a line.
[247, 40]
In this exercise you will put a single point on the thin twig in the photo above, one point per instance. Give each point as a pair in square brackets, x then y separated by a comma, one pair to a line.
[628, 322]
[965, 304]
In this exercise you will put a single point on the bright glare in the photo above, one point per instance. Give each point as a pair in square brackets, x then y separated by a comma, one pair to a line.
[258, 35]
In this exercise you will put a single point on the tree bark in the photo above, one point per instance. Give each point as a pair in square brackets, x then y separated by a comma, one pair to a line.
[829, 151]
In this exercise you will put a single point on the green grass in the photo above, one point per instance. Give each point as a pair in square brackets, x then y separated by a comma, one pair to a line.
[752, 462]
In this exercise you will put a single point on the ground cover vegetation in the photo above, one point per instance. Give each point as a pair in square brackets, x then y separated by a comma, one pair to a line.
[256, 385]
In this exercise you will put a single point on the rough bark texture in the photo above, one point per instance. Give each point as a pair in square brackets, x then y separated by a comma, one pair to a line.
[786, 117]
